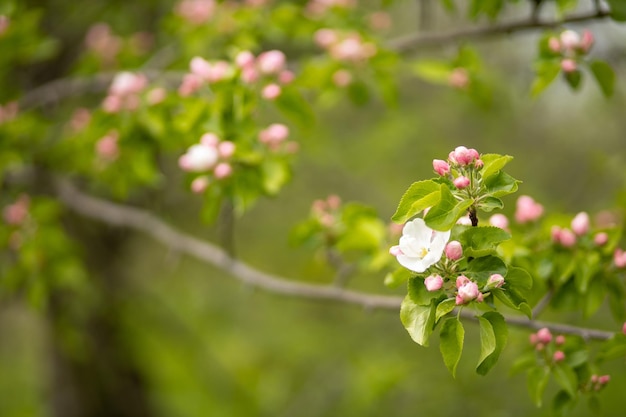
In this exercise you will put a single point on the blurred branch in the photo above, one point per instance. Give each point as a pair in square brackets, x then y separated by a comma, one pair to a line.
[140, 220]
[407, 43]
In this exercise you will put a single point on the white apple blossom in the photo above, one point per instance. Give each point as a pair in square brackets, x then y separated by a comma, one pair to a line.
[420, 246]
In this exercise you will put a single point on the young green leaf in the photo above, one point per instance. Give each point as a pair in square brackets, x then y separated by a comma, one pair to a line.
[451, 343]
[482, 241]
[618, 10]
[566, 378]
[500, 184]
[396, 278]
[420, 195]
[493, 163]
[491, 323]
[536, 381]
[444, 308]
[604, 75]
[547, 71]
[447, 211]
[418, 320]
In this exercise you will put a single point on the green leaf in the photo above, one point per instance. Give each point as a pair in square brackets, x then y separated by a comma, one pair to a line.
[547, 71]
[523, 363]
[604, 75]
[500, 184]
[618, 10]
[482, 240]
[536, 381]
[437, 72]
[613, 348]
[566, 5]
[358, 93]
[419, 294]
[275, 175]
[566, 378]
[396, 278]
[490, 204]
[451, 343]
[445, 307]
[494, 334]
[418, 320]
[447, 211]
[514, 300]
[518, 278]
[573, 78]
[594, 298]
[295, 107]
[562, 403]
[482, 268]
[420, 195]
[493, 163]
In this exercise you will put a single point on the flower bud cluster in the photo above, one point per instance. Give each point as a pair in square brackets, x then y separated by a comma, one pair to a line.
[327, 211]
[461, 168]
[101, 40]
[597, 382]
[569, 46]
[345, 46]
[210, 156]
[579, 230]
[527, 210]
[275, 138]
[124, 92]
[269, 67]
[551, 347]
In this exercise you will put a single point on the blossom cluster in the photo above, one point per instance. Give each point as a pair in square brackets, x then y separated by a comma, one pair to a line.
[123, 93]
[211, 156]
[196, 12]
[327, 211]
[569, 46]
[460, 167]
[345, 46]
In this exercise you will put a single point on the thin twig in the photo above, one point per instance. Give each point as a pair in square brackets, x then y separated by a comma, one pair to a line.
[408, 43]
[140, 220]
[542, 304]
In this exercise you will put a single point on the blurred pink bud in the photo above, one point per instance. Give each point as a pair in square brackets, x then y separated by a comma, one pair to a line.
[558, 356]
[274, 134]
[190, 84]
[587, 41]
[380, 20]
[441, 167]
[4, 24]
[461, 182]
[539, 347]
[554, 45]
[196, 11]
[594, 379]
[569, 39]
[567, 238]
[533, 339]
[601, 238]
[200, 67]
[286, 77]
[107, 147]
[580, 223]
[223, 170]
[249, 75]
[433, 283]
[325, 37]
[395, 250]
[271, 62]
[271, 91]
[198, 158]
[244, 59]
[226, 149]
[200, 184]
[468, 292]
[112, 104]
[132, 102]
[568, 65]
[156, 96]
[559, 340]
[527, 209]
[464, 221]
[219, 71]
[495, 281]
[342, 78]
[544, 335]
[80, 119]
[604, 379]
[454, 250]
[461, 280]
[499, 220]
[334, 201]
[126, 83]
[292, 147]
[459, 78]
[624, 328]
[209, 139]
[619, 258]
[15, 214]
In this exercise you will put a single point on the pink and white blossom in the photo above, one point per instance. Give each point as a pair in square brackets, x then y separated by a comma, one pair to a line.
[580, 224]
[499, 220]
[441, 167]
[421, 246]
[433, 282]
[527, 209]
[468, 292]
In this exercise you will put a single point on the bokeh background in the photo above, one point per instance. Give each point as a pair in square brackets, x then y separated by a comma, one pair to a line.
[178, 338]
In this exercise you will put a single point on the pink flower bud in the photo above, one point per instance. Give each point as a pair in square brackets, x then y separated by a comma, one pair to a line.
[433, 283]
[271, 92]
[499, 220]
[619, 258]
[467, 292]
[580, 223]
[558, 356]
[4, 24]
[395, 250]
[219, 71]
[200, 67]
[461, 280]
[539, 347]
[334, 201]
[554, 45]
[156, 96]
[190, 84]
[568, 65]
[209, 139]
[200, 184]
[495, 281]
[624, 328]
[274, 134]
[15, 214]
[249, 75]
[533, 339]
[126, 83]
[587, 41]
[559, 340]
[567, 238]
[601, 238]
[112, 104]
[286, 77]
[271, 62]
[527, 210]
[604, 379]
[342, 78]
[463, 156]
[544, 336]
[244, 59]
[441, 167]
[461, 182]
[223, 170]
[454, 251]
[594, 379]
[325, 37]
[226, 149]
[459, 78]
[107, 147]
[478, 163]
[464, 221]
[198, 158]
[569, 39]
